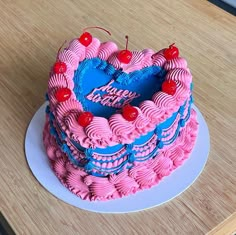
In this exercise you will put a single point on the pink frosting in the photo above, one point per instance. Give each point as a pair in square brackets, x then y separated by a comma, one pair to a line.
[77, 48]
[140, 176]
[59, 167]
[176, 63]
[135, 63]
[99, 130]
[69, 57]
[106, 49]
[93, 48]
[116, 130]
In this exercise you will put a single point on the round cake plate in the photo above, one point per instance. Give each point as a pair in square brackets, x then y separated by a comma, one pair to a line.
[168, 188]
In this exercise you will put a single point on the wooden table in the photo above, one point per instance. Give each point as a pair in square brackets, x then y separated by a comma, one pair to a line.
[31, 32]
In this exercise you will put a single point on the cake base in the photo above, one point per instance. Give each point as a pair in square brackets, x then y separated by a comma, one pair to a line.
[166, 189]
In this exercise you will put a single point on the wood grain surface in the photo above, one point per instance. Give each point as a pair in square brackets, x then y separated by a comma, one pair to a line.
[30, 34]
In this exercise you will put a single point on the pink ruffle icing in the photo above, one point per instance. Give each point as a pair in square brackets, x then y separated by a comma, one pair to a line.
[117, 130]
[141, 176]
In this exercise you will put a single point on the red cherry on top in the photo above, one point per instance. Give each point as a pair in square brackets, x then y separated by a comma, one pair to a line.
[59, 67]
[169, 87]
[125, 56]
[63, 94]
[171, 53]
[85, 118]
[86, 38]
[129, 112]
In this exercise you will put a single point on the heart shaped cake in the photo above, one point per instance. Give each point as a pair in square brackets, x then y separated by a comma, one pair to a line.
[117, 121]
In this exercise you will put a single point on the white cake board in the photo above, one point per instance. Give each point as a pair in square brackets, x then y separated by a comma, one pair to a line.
[168, 188]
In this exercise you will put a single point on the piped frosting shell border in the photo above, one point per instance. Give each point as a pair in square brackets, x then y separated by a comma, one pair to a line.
[151, 112]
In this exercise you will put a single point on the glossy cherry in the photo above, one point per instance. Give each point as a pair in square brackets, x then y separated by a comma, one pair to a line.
[63, 94]
[59, 67]
[86, 38]
[129, 112]
[171, 53]
[125, 56]
[85, 118]
[169, 87]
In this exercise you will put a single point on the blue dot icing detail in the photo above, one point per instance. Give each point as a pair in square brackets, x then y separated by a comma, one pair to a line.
[65, 148]
[191, 86]
[89, 166]
[160, 145]
[47, 110]
[88, 153]
[63, 135]
[46, 97]
[158, 131]
[52, 131]
[131, 158]
[51, 116]
[182, 123]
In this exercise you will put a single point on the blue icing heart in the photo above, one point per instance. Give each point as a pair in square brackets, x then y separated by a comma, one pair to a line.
[102, 89]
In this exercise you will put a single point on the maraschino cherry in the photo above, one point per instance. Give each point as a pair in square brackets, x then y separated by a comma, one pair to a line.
[59, 67]
[125, 56]
[86, 38]
[63, 94]
[169, 87]
[85, 118]
[129, 112]
[172, 52]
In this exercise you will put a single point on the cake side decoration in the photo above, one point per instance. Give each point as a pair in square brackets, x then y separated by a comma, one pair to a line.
[117, 124]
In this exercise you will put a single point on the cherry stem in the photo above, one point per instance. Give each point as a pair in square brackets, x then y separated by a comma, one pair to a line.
[97, 27]
[172, 45]
[127, 40]
[60, 48]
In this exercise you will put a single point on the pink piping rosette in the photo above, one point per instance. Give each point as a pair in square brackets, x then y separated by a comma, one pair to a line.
[135, 63]
[145, 177]
[77, 48]
[100, 188]
[58, 81]
[99, 129]
[77, 131]
[69, 57]
[66, 108]
[59, 167]
[158, 58]
[181, 75]
[75, 184]
[106, 49]
[177, 156]
[120, 127]
[142, 123]
[51, 152]
[163, 100]
[113, 60]
[164, 167]
[147, 59]
[92, 49]
[181, 94]
[178, 62]
[124, 184]
[150, 110]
